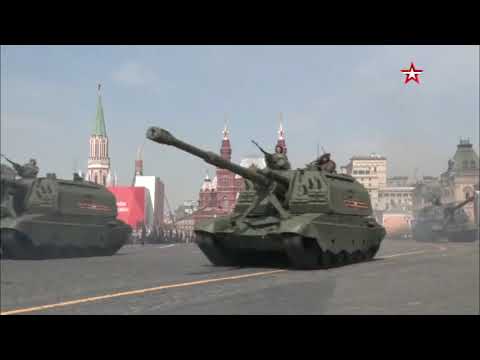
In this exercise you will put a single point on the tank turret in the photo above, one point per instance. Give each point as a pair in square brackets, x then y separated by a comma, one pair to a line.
[310, 216]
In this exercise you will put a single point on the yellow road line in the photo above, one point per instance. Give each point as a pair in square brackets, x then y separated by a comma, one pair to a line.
[136, 292]
[438, 248]
[171, 286]
[404, 254]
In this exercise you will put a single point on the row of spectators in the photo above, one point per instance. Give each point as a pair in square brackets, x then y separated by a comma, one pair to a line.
[159, 235]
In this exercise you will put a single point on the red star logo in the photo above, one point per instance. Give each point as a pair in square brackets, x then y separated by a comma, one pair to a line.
[412, 74]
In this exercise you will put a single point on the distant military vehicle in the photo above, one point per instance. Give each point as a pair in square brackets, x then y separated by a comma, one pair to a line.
[427, 224]
[457, 226]
[310, 217]
[444, 221]
[44, 217]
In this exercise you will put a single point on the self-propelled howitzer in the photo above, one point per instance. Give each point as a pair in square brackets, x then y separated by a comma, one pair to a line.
[457, 226]
[445, 221]
[309, 217]
[45, 217]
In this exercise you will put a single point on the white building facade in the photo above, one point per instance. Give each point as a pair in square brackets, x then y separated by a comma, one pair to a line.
[371, 172]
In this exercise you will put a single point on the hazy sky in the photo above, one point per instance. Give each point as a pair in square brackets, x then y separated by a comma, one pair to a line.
[349, 99]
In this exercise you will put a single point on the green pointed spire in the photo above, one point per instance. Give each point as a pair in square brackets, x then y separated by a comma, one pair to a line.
[99, 129]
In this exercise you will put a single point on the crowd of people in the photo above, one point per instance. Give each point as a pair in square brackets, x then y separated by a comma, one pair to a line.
[159, 235]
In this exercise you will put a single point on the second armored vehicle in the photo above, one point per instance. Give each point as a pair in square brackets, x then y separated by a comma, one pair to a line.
[457, 226]
[449, 221]
[48, 217]
[311, 217]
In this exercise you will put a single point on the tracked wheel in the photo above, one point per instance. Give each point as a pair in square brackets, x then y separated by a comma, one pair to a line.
[327, 259]
[341, 258]
[111, 250]
[361, 256]
[371, 252]
[261, 258]
[357, 256]
[303, 253]
[467, 236]
[211, 249]
[16, 245]
[348, 258]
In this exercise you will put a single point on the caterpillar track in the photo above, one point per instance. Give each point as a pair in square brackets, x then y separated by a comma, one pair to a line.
[299, 253]
[18, 246]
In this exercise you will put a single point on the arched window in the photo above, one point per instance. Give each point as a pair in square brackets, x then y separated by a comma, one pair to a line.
[96, 179]
[104, 180]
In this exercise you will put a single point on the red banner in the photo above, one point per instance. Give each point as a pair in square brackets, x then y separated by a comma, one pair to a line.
[130, 204]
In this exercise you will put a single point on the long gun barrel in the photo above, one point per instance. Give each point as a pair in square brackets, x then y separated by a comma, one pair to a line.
[162, 136]
[18, 168]
[450, 211]
[10, 161]
[463, 203]
[260, 148]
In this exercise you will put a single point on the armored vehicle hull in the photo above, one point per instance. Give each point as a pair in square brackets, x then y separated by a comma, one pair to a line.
[308, 218]
[428, 231]
[306, 241]
[462, 233]
[49, 217]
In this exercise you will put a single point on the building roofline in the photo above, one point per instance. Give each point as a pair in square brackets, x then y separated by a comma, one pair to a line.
[360, 157]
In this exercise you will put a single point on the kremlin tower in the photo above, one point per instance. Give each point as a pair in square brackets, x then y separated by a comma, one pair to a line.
[226, 189]
[98, 160]
[281, 136]
[218, 196]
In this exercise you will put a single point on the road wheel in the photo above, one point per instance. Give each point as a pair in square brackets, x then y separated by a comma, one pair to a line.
[372, 251]
[361, 256]
[327, 259]
[348, 258]
[341, 258]
[214, 252]
[69, 252]
[357, 256]
[18, 246]
[303, 253]
[3, 244]
[463, 236]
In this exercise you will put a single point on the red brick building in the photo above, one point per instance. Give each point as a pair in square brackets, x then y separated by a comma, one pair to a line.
[218, 196]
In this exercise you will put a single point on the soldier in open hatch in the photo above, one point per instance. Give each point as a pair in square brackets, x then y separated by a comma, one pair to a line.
[325, 163]
[277, 160]
[27, 171]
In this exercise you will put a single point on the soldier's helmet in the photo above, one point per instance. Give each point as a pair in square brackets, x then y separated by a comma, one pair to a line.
[324, 159]
[33, 162]
[279, 149]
